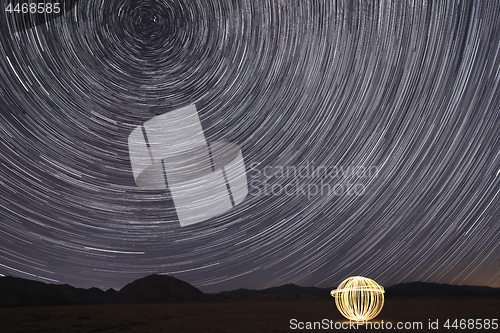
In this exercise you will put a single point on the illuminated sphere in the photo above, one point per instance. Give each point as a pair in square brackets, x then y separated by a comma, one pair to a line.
[359, 299]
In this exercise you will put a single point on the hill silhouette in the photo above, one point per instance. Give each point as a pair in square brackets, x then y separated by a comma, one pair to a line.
[167, 289]
[287, 289]
[22, 292]
[160, 288]
[430, 290]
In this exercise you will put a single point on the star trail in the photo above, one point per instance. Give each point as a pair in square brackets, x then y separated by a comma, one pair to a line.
[407, 88]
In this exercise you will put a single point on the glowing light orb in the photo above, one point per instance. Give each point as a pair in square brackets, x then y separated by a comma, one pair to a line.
[359, 298]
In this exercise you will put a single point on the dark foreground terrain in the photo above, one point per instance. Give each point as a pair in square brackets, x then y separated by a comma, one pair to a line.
[251, 314]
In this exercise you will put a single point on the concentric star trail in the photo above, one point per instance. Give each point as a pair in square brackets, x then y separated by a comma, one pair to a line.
[407, 88]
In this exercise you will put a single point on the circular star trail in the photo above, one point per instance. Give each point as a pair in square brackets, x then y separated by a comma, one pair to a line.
[409, 89]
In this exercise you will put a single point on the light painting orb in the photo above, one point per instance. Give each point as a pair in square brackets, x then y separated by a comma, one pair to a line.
[359, 298]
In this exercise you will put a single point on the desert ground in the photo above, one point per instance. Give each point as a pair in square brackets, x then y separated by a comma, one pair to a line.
[258, 314]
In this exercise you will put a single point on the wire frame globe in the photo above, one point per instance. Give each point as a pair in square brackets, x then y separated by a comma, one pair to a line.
[359, 298]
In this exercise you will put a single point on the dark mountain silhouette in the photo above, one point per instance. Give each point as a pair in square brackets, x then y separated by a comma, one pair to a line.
[430, 290]
[17, 291]
[402, 290]
[164, 289]
[160, 288]
[287, 289]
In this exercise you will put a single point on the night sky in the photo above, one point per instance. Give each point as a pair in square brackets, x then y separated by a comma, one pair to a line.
[390, 110]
